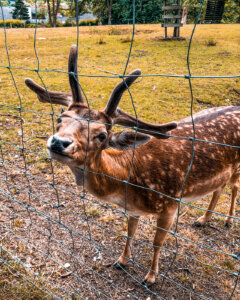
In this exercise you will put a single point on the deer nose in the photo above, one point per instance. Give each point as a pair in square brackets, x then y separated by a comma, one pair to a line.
[59, 145]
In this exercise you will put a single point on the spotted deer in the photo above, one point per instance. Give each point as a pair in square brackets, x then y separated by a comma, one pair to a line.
[152, 162]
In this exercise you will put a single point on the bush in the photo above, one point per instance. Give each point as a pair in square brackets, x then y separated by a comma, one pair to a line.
[31, 25]
[211, 43]
[88, 22]
[101, 41]
[68, 23]
[59, 24]
[41, 13]
[13, 24]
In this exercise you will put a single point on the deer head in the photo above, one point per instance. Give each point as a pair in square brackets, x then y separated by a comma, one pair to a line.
[82, 133]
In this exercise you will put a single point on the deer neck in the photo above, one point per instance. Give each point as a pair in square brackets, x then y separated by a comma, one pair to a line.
[106, 171]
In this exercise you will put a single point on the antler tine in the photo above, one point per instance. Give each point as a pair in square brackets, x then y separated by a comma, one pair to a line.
[73, 80]
[125, 119]
[118, 91]
[47, 96]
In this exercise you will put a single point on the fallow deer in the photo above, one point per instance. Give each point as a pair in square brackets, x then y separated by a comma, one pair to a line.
[84, 140]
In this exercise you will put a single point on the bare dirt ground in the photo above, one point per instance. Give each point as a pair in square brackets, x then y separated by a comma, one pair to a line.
[73, 242]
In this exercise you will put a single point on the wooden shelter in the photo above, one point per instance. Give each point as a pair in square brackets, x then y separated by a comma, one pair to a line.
[172, 15]
[214, 12]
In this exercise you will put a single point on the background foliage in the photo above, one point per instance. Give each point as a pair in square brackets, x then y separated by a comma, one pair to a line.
[147, 11]
[120, 11]
[232, 11]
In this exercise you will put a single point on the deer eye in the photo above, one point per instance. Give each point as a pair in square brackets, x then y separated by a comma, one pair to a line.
[59, 120]
[102, 136]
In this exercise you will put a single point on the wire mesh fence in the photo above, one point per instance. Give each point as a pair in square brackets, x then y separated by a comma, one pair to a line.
[63, 242]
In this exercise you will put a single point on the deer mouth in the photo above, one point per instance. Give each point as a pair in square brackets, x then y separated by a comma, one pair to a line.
[59, 156]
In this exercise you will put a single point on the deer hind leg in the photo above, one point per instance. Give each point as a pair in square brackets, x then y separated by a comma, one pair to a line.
[232, 207]
[208, 214]
[123, 259]
[164, 221]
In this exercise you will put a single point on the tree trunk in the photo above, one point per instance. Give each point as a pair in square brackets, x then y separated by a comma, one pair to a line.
[175, 32]
[49, 13]
[54, 20]
[184, 15]
[109, 4]
[54, 13]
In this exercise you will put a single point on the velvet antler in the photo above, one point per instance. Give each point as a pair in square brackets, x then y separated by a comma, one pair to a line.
[47, 96]
[125, 119]
[73, 79]
[59, 97]
[118, 91]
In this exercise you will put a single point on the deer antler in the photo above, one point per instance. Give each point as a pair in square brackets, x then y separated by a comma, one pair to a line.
[59, 97]
[125, 119]
[122, 118]
[118, 91]
[111, 109]
[73, 80]
[46, 96]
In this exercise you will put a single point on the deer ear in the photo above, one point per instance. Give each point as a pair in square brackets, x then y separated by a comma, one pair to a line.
[128, 140]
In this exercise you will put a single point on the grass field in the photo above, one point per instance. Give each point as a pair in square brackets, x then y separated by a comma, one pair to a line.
[215, 51]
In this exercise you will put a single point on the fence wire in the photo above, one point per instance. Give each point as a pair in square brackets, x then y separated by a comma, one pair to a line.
[42, 238]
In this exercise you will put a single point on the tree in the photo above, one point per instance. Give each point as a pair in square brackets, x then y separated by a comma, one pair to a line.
[103, 10]
[53, 9]
[20, 11]
[232, 11]
[4, 3]
[150, 11]
[121, 11]
[82, 7]
[41, 14]
[109, 6]
[193, 10]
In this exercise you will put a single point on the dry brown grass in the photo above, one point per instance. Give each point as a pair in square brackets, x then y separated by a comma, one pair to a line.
[157, 99]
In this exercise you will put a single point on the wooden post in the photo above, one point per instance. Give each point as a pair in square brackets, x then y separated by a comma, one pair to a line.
[172, 18]
[164, 19]
[165, 32]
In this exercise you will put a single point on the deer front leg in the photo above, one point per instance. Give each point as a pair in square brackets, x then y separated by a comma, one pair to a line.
[232, 207]
[132, 226]
[164, 221]
[208, 214]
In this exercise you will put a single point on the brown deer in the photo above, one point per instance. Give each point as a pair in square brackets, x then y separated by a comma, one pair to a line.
[151, 163]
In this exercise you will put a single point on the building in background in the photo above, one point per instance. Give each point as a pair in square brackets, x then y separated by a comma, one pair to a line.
[42, 13]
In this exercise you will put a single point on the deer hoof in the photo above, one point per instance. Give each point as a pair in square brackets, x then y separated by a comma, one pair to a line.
[228, 224]
[200, 222]
[145, 283]
[149, 279]
[118, 266]
[197, 224]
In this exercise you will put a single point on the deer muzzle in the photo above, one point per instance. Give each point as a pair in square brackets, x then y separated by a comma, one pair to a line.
[58, 145]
